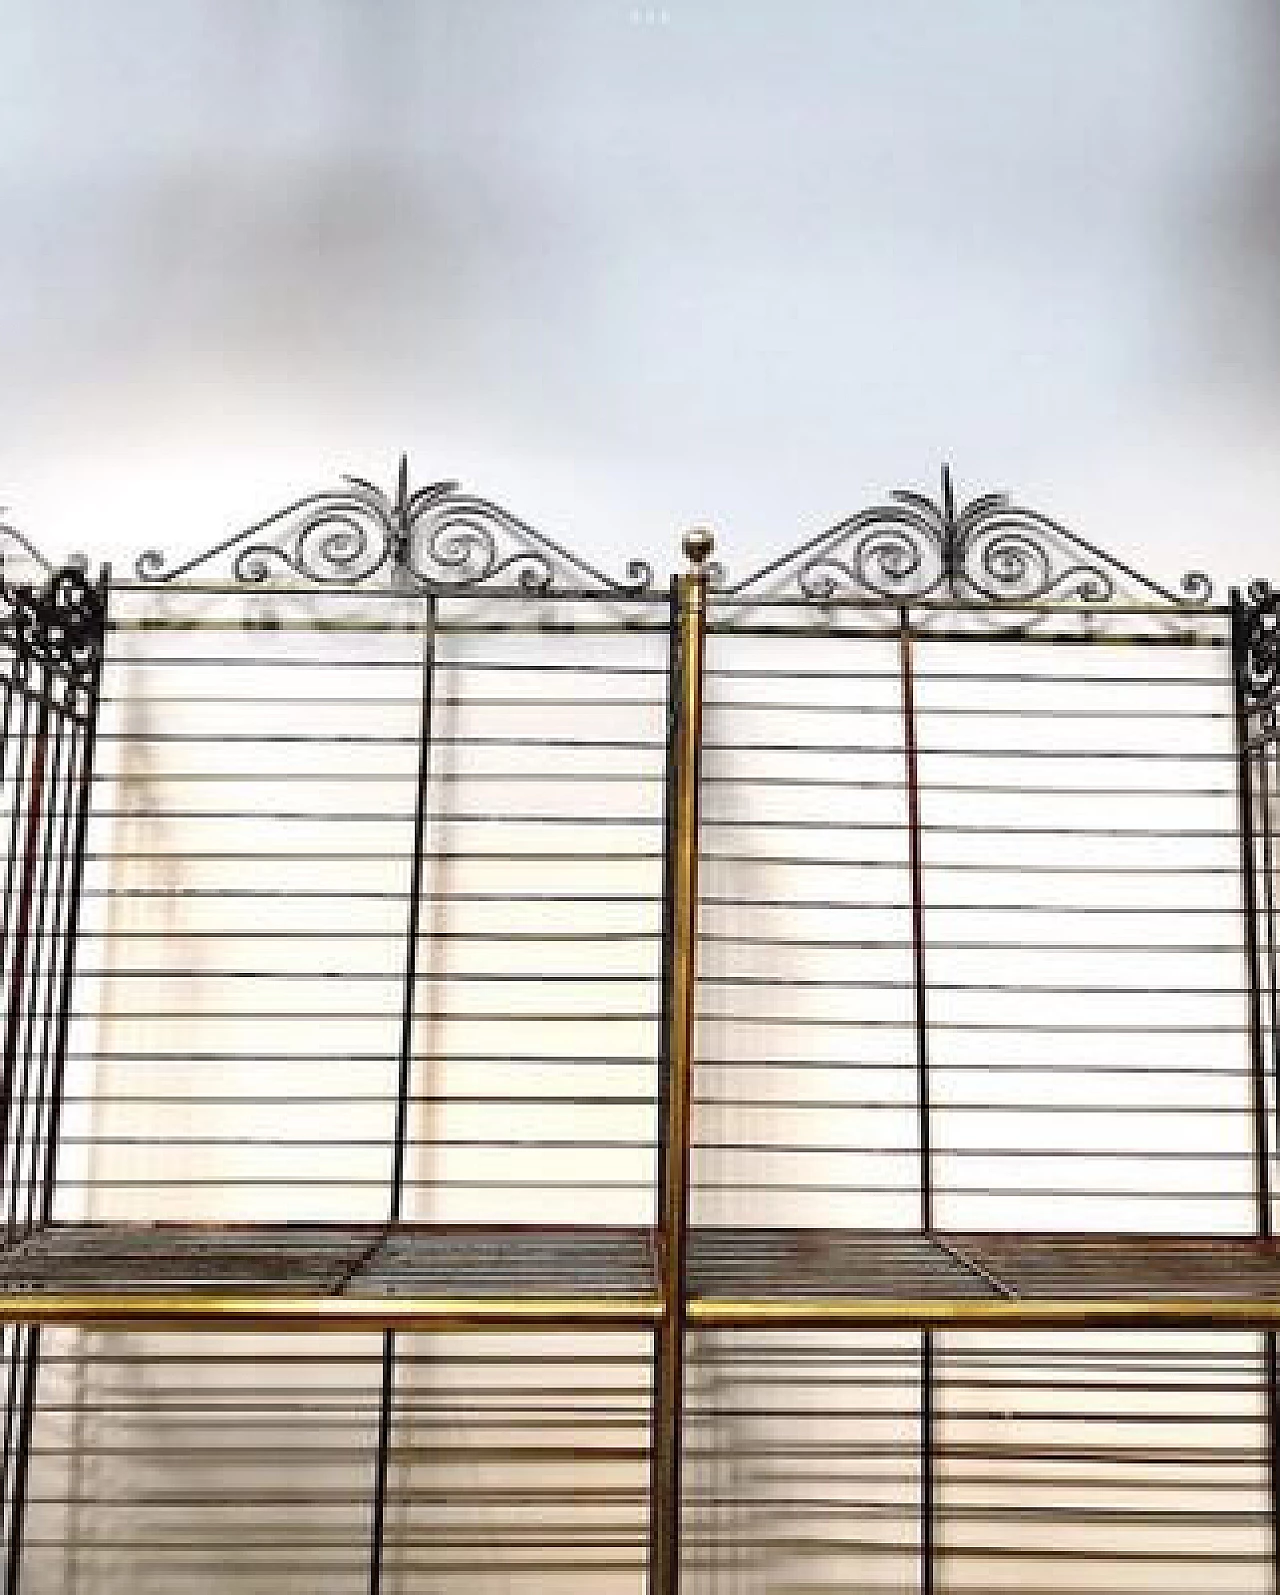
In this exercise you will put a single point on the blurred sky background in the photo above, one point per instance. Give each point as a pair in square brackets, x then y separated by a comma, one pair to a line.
[627, 267]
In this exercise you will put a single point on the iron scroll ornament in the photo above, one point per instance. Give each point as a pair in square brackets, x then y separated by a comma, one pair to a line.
[12, 540]
[61, 622]
[1256, 632]
[437, 538]
[990, 550]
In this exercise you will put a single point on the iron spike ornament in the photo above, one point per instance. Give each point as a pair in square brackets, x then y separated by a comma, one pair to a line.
[990, 550]
[435, 538]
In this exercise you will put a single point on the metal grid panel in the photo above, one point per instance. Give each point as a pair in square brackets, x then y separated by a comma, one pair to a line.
[1106, 1464]
[240, 1049]
[539, 962]
[518, 1261]
[977, 1464]
[113, 1272]
[192, 1463]
[1086, 986]
[806, 1081]
[775, 1265]
[805, 1470]
[159, 1259]
[972, 951]
[806, 1275]
[1125, 1267]
[244, 922]
[519, 1465]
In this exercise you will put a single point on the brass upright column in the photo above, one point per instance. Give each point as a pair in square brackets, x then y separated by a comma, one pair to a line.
[688, 621]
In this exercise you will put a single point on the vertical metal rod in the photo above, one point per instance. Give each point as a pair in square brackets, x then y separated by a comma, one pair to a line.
[48, 945]
[408, 1004]
[11, 1340]
[1265, 792]
[1271, 1369]
[688, 617]
[1271, 1352]
[928, 1461]
[382, 1459]
[21, 1462]
[404, 1088]
[22, 930]
[6, 738]
[667, 942]
[32, 912]
[19, 737]
[1257, 1032]
[1270, 1341]
[83, 797]
[1249, 900]
[915, 867]
[19, 874]
[658, 1511]
[6, 718]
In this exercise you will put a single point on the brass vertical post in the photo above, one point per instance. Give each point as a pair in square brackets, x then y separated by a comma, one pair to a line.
[688, 620]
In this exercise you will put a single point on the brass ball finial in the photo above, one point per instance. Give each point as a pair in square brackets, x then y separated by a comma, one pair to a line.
[698, 546]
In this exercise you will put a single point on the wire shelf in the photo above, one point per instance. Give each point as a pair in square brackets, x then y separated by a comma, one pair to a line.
[373, 1275]
[800, 1277]
[383, 1276]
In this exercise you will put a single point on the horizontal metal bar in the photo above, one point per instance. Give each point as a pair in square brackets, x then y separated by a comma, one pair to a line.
[935, 1313]
[314, 1315]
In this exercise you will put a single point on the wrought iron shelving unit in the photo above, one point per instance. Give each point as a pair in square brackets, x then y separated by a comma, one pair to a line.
[421, 573]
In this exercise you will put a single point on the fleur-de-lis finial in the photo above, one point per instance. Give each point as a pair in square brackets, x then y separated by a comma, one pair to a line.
[950, 535]
[400, 560]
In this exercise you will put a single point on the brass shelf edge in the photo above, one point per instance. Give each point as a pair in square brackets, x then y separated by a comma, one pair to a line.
[319, 1313]
[926, 1313]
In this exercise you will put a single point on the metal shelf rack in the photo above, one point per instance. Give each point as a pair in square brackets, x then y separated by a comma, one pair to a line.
[691, 731]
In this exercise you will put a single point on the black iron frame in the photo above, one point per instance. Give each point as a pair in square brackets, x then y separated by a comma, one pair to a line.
[1255, 645]
[51, 652]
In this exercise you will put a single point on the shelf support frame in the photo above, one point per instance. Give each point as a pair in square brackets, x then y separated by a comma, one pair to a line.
[1254, 693]
[685, 689]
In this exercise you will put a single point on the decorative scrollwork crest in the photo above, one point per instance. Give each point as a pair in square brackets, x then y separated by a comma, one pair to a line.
[913, 548]
[62, 622]
[437, 538]
[1257, 643]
